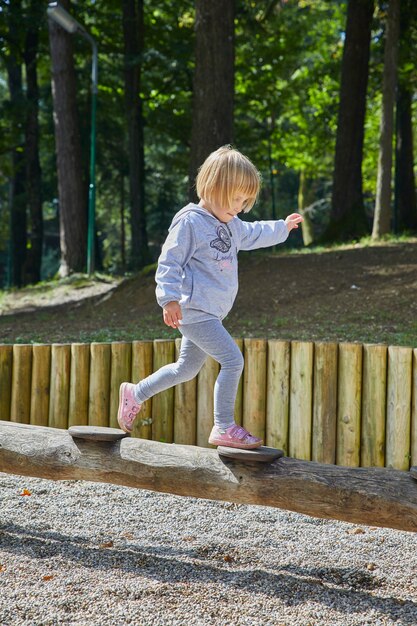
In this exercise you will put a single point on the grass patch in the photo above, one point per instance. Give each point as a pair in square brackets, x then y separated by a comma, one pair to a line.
[363, 242]
[341, 333]
[144, 331]
[74, 281]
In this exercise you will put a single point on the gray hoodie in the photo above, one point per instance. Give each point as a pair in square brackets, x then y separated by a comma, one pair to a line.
[198, 262]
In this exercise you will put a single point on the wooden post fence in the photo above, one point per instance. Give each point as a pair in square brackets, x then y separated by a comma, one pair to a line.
[346, 404]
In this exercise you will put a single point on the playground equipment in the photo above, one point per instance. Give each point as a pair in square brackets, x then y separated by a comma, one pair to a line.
[374, 496]
[346, 404]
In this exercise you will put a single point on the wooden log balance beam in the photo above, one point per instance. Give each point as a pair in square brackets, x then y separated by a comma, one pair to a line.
[374, 496]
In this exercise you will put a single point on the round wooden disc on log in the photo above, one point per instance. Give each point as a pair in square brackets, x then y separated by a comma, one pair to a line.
[263, 454]
[413, 471]
[97, 433]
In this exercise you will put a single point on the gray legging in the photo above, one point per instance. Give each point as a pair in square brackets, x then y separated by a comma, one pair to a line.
[208, 338]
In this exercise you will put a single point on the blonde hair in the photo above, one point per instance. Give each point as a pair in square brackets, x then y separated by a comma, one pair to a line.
[225, 173]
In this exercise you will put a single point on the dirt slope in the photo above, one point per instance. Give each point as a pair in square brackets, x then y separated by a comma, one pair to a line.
[356, 294]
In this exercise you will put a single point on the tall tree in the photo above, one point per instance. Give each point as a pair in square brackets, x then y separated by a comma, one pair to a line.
[405, 201]
[383, 212]
[348, 218]
[17, 181]
[405, 188]
[71, 187]
[133, 31]
[213, 90]
[33, 168]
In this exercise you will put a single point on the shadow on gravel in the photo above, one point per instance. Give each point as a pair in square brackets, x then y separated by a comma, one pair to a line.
[348, 590]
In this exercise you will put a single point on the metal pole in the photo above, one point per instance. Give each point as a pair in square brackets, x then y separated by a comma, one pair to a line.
[92, 185]
[10, 263]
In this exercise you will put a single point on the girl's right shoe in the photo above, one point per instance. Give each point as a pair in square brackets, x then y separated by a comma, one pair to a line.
[129, 407]
[234, 437]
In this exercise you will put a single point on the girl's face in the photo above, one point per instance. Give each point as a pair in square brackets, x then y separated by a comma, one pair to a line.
[226, 215]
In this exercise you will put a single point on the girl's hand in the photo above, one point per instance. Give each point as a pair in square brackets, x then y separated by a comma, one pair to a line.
[293, 220]
[172, 314]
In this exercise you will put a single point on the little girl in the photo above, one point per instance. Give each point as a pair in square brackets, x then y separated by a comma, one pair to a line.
[197, 282]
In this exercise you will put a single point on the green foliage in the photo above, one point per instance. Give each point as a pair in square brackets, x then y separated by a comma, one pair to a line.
[290, 92]
[288, 67]
[288, 58]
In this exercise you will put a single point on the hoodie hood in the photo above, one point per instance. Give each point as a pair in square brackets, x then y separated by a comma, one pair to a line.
[190, 208]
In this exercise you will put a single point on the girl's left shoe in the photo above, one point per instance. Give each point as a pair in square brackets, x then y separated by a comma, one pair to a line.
[129, 407]
[234, 437]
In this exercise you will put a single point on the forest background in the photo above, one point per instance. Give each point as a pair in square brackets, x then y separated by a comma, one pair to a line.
[319, 94]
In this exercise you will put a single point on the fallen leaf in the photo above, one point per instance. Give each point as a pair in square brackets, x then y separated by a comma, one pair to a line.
[25, 492]
[48, 577]
[108, 544]
[2, 568]
[371, 567]
[356, 531]
[228, 558]
[128, 535]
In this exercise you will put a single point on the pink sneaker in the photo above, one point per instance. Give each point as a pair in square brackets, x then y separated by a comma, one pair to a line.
[128, 407]
[234, 437]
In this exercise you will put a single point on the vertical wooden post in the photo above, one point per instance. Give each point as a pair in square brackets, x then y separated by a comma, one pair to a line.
[185, 414]
[349, 405]
[325, 403]
[6, 372]
[40, 389]
[142, 365]
[60, 384]
[414, 413]
[239, 395]
[301, 400]
[99, 392]
[374, 393]
[21, 383]
[278, 394]
[79, 384]
[121, 368]
[205, 400]
[399, 407]
[254, 387]
[163, 403]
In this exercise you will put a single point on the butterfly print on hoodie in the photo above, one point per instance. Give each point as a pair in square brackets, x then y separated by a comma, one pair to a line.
[223, 242]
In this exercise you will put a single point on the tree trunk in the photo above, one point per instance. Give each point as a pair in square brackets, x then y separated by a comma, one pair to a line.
[33, 168]
[405, 188]
[348, 217]
[213, 91]
[17, 194]
[305, 200]
[375, 496]
[383, 213]
[122, 222]
[405, 214]
[71, 187]
[133, 32]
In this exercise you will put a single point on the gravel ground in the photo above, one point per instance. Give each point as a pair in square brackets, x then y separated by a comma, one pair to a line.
[86, 554]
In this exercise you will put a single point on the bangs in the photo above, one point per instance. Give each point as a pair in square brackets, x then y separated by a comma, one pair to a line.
[225, 173]
[249, 186]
